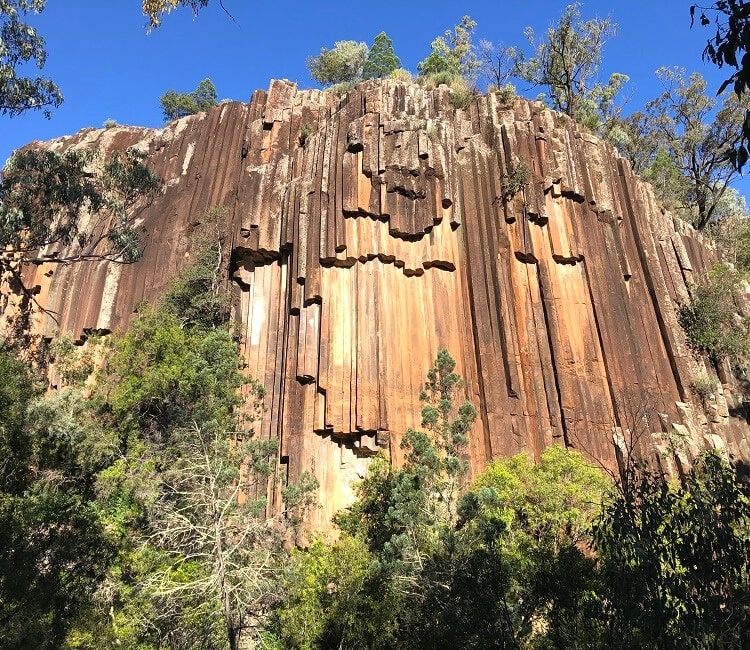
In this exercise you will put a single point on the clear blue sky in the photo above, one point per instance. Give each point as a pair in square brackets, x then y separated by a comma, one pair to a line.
[108, 66]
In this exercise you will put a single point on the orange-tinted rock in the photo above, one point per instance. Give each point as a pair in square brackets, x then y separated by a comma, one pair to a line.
[388, 235]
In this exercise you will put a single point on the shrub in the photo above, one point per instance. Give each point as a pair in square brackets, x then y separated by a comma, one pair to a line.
[703, 387]
[341, 64]
[506, 94]
[176, 105]
[461, 94]
[110, 123]
[305, 131]
[445, 77]
[399, 74]
[341, 88]
[517, 180]
[710, 319]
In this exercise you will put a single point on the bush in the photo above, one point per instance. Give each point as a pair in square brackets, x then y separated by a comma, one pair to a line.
[517, 180]
[703, 386]
[341, 88]
[175, 105]
[342, 64]
[400, 74]
[305, 131]
[506, 94]
[110, 124]
[710, 319]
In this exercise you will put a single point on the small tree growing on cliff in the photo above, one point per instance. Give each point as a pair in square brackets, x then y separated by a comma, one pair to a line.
[566, 63]
[453, 54]
[381, 59]
[342, 64]
[176, 105]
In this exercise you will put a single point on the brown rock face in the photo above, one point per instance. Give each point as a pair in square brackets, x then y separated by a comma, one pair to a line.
[369, 232]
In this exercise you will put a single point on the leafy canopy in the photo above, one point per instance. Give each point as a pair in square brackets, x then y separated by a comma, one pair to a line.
[175, 105]
[341, 64]
[44, 195]
[674, 560]
[566, 64]
[730, 46]
[453, 54]
[155, 9]
[381, 59]
[21, 45]
[710, 318]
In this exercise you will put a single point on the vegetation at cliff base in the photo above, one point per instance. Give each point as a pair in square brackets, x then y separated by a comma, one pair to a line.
[124, 524]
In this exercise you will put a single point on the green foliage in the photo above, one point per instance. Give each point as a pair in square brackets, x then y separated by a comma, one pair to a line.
[681, 143]
[535, 519]
[197, 296]
[162, 377]
[517, 180]
[703, 386]
[566, 63]
[710, 318]
[110, 123]
[381, 59]
[729, 46]
[697, 138]
[342, 64]
[176, 105]
[400, 75]
[16, 390]
[22, 47]
[598, 109]
[550, 502]
[340, 89]
[53, 548]
[73, 364]
[506, 95]
[306, 129]
[44, 194]
[453, 53]
[155, 9]
[675, 560]
[336, 599]
[669, 185]
[461, 97]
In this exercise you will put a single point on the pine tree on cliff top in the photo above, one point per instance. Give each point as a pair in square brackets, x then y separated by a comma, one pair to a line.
[381, 59]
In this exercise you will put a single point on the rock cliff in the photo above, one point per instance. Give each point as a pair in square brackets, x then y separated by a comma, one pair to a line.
[369, 232]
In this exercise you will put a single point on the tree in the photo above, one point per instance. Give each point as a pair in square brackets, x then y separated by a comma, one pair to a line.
[381, 59]
[21, 45]
[497, 62]
[567, 61]
[342, 64]
[223, 550]
[682, 121]
[453, 53]
[44, 196]
[710, 318]
[155, 9]
[53, 547]
[196, 296]
[674, 560]
[730, 46]
[177, 105]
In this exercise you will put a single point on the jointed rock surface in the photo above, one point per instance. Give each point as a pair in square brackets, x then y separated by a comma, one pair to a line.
[371, 231]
